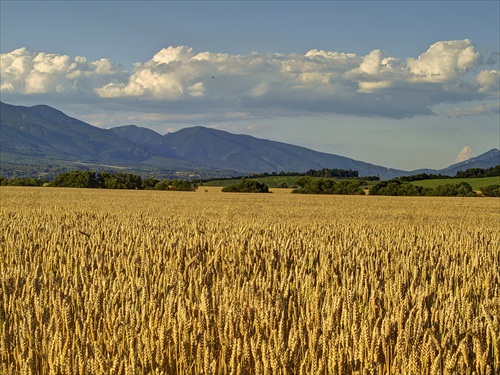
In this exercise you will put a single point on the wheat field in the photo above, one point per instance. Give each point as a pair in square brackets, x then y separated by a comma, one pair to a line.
[151, 282]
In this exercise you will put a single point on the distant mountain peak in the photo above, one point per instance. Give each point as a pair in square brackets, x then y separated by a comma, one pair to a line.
[486, 160]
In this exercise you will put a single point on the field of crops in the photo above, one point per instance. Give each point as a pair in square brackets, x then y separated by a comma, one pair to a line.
[154, 282]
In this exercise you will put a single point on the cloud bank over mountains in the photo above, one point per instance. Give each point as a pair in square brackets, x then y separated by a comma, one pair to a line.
[181, 80]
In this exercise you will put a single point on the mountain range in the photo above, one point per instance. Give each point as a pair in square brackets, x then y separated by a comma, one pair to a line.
[44, 134]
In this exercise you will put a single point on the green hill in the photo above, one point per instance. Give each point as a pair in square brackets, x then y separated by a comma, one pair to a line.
[476, 183]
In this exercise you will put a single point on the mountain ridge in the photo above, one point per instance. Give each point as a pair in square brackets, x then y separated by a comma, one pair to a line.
[42, 130]
[248, 154]
[45, 133]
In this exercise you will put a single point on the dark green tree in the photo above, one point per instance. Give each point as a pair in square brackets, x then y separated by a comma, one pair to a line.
[149, 183]
[462, 189]
[311, 185]
[491, 191]
[247, 186]
[120, 180]
[386, 188]
[76, 179]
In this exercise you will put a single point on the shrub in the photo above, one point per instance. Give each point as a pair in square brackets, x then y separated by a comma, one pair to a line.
[491, 191]
[462, 189]
[309, 185]
[247, 186]
[76, 179]
[397, 188]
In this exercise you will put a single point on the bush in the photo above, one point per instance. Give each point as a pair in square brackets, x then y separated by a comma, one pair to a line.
[397, 188]
[120, 181]
[247, 186]
[175, 185]
[21, 181]
[149, 183]
[309, 185]
[479, 172]
[386, 188]
[491, 191]
[107, 180]
[463, 189]
[76, 179]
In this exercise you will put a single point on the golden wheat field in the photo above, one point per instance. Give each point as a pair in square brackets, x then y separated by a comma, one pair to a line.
[153, 282]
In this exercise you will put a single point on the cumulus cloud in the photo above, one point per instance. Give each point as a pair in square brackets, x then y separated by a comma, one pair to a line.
[28, 72]
[444, 61]
[465, 154]
[181, 80]
[489, 80]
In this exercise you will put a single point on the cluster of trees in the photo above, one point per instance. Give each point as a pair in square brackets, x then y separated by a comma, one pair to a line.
[312, 182]
[323, 173]
[469, 173]
[479, 172]
[21, 181]
[107, 180]
[329, 173]
[420, 177]
[491, 191]
[173, 185]
[102, 180]
[247, 186]
[400, 188]
[309, 185]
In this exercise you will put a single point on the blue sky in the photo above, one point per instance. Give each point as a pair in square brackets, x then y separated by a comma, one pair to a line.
[399, 83]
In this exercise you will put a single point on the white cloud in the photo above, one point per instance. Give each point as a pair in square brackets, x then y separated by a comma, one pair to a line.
[374, 63]
[198, 89]
[489, 108]
[444, 61]
[368, 87]
[173, 54]
[27, 72]
[489, 80]
[180, 80]
[465, 154]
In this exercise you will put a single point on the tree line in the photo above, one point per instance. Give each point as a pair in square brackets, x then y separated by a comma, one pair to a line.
[21, 181]
[102, 180]
[397, 187]
[246, 186]
[309, 185]
[479, 172]
[324, 173]
[468, 173]
[349, 173]
[401, 185]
